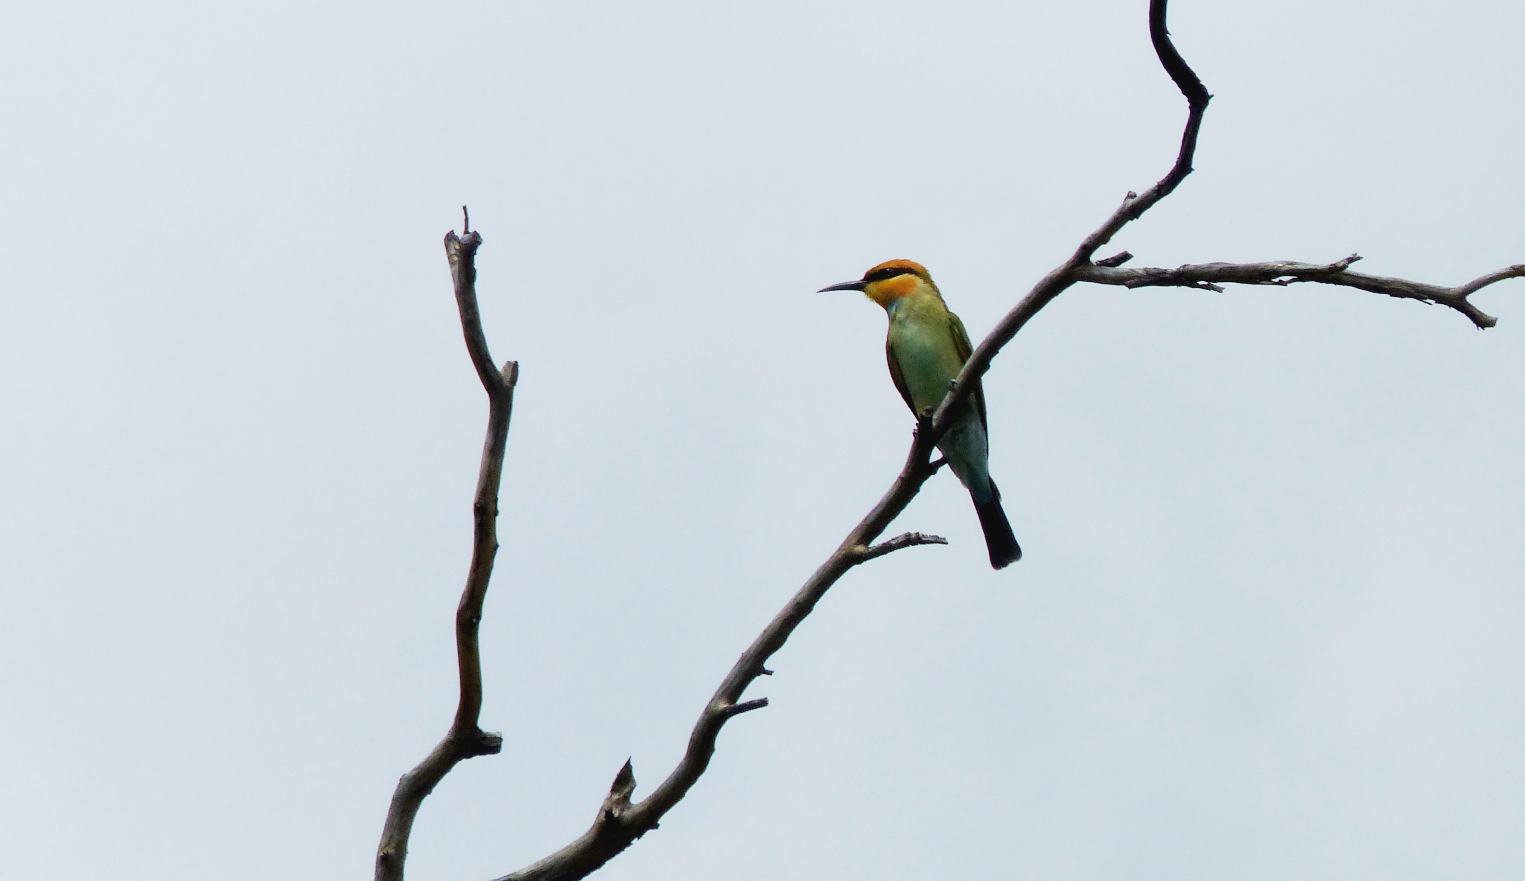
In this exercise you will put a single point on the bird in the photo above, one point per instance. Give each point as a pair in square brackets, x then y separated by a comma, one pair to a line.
[926, 348]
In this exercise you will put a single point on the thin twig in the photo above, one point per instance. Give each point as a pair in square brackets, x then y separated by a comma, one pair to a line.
[745, 707]
[464, 740]
[904, 540]
[1210, 276]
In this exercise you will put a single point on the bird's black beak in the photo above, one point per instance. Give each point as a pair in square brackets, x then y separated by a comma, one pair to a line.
[846, 286]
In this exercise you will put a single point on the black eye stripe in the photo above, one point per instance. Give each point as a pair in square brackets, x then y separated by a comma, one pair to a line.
[888, 272]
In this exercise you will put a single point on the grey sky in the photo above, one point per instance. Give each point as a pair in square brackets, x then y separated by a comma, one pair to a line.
[1269, 624]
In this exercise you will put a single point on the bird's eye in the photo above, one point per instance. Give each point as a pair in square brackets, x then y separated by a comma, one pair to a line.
[887, 272]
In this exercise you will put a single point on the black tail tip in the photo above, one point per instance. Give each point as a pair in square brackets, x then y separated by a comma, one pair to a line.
[999, 539]
[1000, 558]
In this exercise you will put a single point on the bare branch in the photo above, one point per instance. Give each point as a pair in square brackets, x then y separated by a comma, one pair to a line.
[464, 740]
[1134, 205]
[745, 707]
[904, 540]
[462, 253]
[1283, 272]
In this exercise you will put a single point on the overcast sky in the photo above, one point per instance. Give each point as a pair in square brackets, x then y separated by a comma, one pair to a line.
[1271, 621]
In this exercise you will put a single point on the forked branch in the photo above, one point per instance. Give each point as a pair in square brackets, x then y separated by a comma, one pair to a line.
[1082, 267]
[1133, 207]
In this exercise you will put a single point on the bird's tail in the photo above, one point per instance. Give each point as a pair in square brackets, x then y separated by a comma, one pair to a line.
[1000, 541]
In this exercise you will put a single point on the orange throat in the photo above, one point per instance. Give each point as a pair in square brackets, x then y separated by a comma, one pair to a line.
[891, 289]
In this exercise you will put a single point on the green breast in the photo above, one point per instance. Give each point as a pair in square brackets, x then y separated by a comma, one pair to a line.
[922, 342]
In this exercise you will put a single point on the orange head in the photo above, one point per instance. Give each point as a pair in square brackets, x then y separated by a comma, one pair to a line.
[890, 281]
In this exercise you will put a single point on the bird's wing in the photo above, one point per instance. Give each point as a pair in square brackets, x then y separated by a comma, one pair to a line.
[897, 376]
[962, 345]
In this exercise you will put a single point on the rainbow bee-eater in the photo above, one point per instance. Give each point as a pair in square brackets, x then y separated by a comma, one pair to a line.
[927, 347]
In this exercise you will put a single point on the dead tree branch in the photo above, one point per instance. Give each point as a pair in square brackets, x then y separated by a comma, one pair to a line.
[1209, 276]
[464, 740]
[904, 540]
[620, 822]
